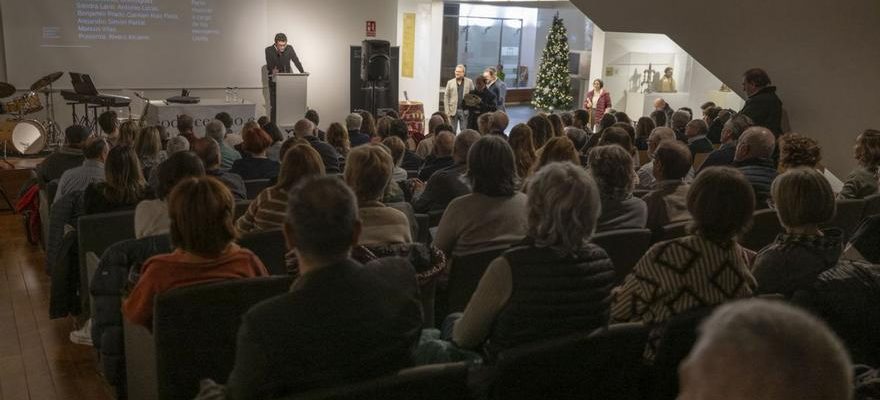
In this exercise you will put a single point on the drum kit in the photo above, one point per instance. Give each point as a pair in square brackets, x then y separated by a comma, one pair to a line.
[21, 133]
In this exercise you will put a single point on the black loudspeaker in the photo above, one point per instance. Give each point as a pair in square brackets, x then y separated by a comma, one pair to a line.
[376, 60]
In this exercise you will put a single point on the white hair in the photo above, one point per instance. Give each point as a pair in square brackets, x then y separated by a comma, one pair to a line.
[760, 140]
[177, 144]
[353, 122]
[215, 130]
[563, 206]
[770, 350]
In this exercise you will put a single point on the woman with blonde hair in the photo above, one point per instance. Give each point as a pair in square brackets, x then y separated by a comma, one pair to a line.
[337, 136]
[148, 147]
[269, 209]
[128, 132]
[368, 172]
[523, 149]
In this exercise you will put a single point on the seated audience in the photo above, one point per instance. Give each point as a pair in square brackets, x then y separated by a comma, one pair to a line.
[209, 152]
[232, 139]
[621, 135]
[148, 147]
[498, 124]
[313, 117]
[368, 125]
[607, 120]
[754, 158]
[864, 180]
[557, 149]
[274, 151]
[368, 172]
[678, 123]
[730, 135]
[185, 128]
[176, 144]
[442, 156]
[201, 211]
[91, 171]
[696, 132]
[494, 215]
[542, 131]
[108, 121]
[305, 129]
[758, 349]
[567, 119]
[668, 202]
[645, 173]
[217, 131]
[703, 269]
[67, 157]
[523, 146]
[426, 145]
[446, 184]
[128, 132]
[580, 118]
[611, 167]
[151, 216]
[484, 123]
[353, 123]
[268, 210]
[796, 150]
[716, 125]
[341, 322]
[257, 164]
[123, 186]
[804, 201]
[411, 160]
[397, 148]
[337, 136]
[643, 131]
[553, 283]
[556, 122]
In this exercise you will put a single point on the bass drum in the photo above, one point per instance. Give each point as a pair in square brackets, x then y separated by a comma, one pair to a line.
[23, 136]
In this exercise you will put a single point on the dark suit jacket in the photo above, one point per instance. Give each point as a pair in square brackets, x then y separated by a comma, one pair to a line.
[721, 157]
[282, 60]
[342, 323]
[329, 155]
[411, 161]
[357, 138]
[444, 186]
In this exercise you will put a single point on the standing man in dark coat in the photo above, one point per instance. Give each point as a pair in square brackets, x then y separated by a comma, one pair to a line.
[278, 58]
[763, 105]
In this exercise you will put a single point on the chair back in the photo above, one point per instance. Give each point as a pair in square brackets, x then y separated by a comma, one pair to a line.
[255, 186]
[270, 247]
[872, 206]
[699, 159]
[96, 233]
[195, 330]
[679, 336]
[848, 216]
[430, 382]
[625, 247]
[670, 231]
[765, 228]
[464, 275]
[241, 207]
[605, 364]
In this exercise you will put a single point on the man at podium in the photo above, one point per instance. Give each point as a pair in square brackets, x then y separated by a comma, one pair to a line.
[278, 58]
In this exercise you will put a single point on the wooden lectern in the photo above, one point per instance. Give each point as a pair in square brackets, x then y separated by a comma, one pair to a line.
[291, 94]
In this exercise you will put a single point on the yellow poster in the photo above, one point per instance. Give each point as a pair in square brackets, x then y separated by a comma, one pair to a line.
[408, 53]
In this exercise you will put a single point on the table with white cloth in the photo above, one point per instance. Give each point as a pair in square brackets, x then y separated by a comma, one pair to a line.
[165, 114]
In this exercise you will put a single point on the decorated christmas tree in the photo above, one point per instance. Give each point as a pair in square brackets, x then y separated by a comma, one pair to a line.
[553, 90]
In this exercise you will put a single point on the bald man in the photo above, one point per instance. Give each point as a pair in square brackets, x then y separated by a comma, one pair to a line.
[305, 129]
[442, 157]
[765, 350]
[660, 104]
[754, 158]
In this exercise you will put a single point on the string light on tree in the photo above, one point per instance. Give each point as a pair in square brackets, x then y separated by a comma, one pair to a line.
[552, 91]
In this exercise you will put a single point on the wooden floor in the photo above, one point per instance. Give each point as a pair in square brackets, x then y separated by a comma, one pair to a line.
[37, 360]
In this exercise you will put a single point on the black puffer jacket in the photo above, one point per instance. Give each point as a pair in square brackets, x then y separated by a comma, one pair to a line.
[117, 271]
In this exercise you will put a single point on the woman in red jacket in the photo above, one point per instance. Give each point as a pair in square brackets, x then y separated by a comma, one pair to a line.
[597, 101]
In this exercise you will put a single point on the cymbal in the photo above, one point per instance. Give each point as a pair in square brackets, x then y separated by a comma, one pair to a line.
[46, 80]
[6, 90]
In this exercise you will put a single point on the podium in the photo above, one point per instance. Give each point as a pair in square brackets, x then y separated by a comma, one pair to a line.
[291, 94]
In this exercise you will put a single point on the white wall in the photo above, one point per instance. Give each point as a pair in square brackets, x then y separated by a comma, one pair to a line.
[321, 32]
[822, 57]
[429, 37]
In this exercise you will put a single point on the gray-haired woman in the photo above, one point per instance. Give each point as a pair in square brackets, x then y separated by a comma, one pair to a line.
[554, 282]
